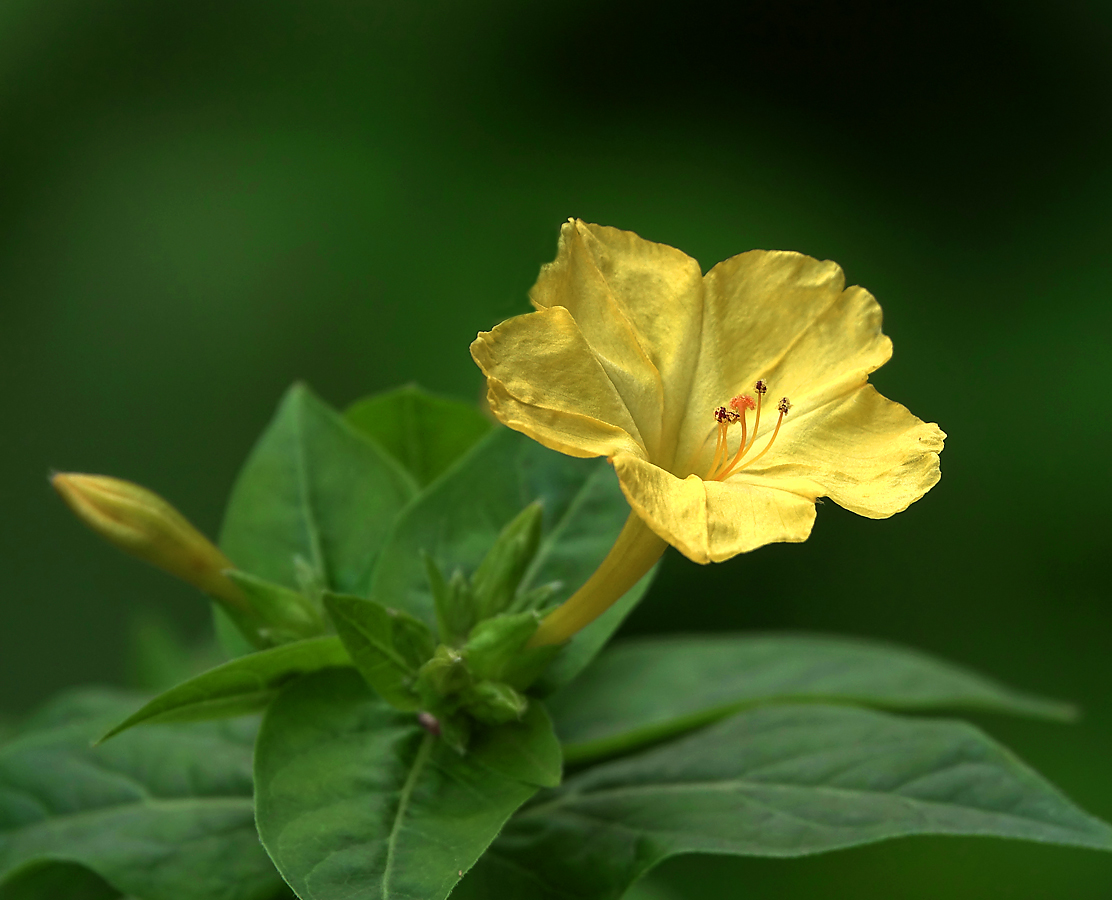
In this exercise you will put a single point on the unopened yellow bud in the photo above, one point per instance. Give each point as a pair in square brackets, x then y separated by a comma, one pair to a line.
[141, 523]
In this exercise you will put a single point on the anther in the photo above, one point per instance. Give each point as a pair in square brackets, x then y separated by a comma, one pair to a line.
[760, 387]
[784, 405]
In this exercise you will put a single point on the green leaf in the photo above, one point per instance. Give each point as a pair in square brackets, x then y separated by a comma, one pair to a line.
[777, 781]
[644, 690]
[278, 614]
[458, 519]
[50, 880]
[315, 499]
[355, 799]
[386, 645]
[161, 813]
[243, 685]
[425, 433]
[525, 751]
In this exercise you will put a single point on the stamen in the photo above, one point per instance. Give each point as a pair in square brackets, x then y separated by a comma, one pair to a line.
[740, 404]
[725, 418]
[761, 388]
[784, 406]
[718, 447]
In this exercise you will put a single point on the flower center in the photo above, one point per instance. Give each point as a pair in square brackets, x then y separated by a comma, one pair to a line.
[722, 466]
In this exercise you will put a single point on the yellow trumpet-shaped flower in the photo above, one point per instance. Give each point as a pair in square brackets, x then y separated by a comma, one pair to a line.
[727, 402]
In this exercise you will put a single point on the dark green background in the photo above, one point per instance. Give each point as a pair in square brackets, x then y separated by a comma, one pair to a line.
[201, 201]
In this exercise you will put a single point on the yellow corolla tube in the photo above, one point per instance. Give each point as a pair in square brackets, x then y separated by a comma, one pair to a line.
[141, 523]
[728, 403]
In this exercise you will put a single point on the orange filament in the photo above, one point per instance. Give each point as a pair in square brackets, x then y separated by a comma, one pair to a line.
[719, 447]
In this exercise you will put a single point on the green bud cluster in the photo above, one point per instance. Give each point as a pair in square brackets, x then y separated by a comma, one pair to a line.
[482, 668]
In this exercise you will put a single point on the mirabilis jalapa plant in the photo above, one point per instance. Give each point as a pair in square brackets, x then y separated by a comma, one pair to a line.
[416, 602]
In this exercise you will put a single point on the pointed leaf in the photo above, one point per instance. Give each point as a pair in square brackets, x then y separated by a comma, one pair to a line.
[243, 685]
[424, 433]
[356, 799]
[458, 519]
[778, 781]
[161, 813]
[386, 645]
[316, 490]
[643, 690]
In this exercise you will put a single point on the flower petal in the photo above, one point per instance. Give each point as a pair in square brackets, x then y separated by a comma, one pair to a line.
[785, 318]
[709, 521]
[640, 307]
[543, 380]
[866, 452]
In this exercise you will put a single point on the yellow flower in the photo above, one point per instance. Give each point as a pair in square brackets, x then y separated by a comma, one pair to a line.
[635, 355]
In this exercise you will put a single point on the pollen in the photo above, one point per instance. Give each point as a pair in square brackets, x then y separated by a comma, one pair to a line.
[722, 465]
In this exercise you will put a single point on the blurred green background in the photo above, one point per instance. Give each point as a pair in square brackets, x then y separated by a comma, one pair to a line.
[202, 201]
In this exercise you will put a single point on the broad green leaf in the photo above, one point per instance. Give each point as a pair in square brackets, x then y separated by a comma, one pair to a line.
[425, 433]
[161, 813]
[314, 501]
[387, 646]
[243, 685]
[525, 751]
[640, 691]
[776, 781]
[355, 799]
[458, 519]
[52, 880]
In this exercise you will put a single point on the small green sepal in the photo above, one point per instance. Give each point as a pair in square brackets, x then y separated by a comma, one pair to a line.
[455, 605]
[494, 703]
[277, 615]
[444, 675]
[495, 583]
[496, 650]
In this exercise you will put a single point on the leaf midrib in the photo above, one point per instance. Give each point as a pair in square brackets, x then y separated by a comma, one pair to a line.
[403, 805]
[565, 804]
[150, 802]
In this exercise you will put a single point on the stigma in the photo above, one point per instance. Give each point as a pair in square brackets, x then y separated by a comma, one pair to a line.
[723, 465]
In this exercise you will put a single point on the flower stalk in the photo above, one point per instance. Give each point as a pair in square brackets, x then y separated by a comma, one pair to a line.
[635, 551]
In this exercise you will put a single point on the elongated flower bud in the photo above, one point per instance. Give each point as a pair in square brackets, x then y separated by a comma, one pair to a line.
[141, 523]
